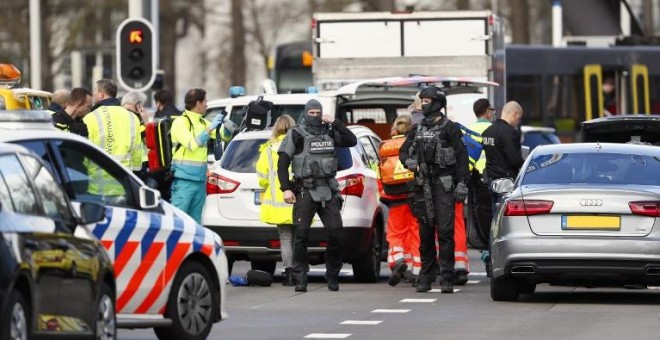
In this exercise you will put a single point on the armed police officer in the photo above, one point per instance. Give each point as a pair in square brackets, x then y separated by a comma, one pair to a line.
[310, 150]
[435, 152]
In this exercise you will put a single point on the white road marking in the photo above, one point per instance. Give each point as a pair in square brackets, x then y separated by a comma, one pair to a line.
[473, 282]
[477, 274]
[361, 322]
[418, 300]
[327, 336]
[390, 311]
[341, 272]
[440, 291]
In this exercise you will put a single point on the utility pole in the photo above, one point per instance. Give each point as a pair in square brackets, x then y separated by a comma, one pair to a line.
[35, 44]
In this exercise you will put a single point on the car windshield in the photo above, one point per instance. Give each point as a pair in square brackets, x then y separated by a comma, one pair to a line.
[242, 155]
[593, 168]
[295, 111]
[536, 138]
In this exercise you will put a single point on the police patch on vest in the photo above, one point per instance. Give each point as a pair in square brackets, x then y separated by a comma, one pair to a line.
[321, 146]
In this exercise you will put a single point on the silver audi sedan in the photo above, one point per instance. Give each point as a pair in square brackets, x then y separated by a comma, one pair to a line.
[578, 214]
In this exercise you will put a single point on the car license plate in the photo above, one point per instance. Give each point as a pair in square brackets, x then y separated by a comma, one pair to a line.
[593, 222]
[258, 197]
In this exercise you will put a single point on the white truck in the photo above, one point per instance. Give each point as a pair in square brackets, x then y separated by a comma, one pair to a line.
[350, 47]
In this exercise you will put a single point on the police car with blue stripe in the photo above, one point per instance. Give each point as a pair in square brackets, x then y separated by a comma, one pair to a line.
[170, 271]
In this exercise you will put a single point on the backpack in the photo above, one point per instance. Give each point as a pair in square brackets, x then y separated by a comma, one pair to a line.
[257, 115]
[159, 143]
[394, 175]
[473, 147]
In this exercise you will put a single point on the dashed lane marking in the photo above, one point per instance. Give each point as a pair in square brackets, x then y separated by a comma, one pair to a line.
[390, 311]
[361, 322]
[473, 282]
[327, 336]
[437, 290]
[477, 274]
[418, 300]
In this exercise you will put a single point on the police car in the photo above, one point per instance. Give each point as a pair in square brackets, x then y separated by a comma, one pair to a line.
[170, 271]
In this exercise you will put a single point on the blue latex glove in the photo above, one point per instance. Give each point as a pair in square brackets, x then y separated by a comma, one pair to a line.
[202, 138]
[217, 120]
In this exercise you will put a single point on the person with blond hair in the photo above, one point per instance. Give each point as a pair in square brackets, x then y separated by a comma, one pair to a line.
[273, 208]
[402, 227]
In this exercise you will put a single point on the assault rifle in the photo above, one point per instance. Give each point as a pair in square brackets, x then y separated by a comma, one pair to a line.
[423, 178]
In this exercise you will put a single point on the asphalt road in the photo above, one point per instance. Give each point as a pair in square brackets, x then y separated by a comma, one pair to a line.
[378, 311]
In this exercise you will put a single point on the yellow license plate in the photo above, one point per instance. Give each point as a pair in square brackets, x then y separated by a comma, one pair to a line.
[591, 222]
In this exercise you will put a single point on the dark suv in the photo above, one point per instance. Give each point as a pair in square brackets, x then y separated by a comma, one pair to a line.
[56, 279]
[639, 128]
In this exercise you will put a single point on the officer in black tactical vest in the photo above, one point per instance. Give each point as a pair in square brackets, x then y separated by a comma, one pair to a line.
[435, 152]
[310, 149]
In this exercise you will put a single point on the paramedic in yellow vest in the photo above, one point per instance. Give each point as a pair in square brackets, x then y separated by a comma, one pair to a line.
[115, 130]
[190, 133]
[273, 208]
[479, 193]
[134, 102]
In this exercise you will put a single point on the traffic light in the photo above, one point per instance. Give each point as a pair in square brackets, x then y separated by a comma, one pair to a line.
[136, 48]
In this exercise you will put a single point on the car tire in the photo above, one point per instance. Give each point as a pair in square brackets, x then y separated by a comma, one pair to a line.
[367, 268]
[526, 287]
[266, 266]
[503, 289]
[106, 321]
[191, 304]
[16, 318]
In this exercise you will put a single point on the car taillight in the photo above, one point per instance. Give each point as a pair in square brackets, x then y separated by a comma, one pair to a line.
[351, 185]
[216, 184]
[648, 208]
[527, 207]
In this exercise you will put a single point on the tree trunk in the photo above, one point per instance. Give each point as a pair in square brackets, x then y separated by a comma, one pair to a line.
[649, 27]
[167, 41]
[519, 21]
[238, 44]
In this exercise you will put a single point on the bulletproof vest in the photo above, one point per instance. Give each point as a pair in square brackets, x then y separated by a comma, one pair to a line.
[433, 142]
[316, 166]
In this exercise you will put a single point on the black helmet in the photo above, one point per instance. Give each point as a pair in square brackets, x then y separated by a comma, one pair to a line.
[439, 100]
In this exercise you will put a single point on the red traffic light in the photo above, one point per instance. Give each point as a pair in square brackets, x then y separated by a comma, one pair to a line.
[135, 36]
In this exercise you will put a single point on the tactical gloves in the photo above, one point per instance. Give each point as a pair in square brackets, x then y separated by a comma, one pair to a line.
[411, 164]
[461, 192]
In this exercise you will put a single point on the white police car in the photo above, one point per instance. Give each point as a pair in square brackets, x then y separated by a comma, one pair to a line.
[170, 271]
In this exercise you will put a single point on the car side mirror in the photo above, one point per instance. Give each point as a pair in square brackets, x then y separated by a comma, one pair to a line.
[502, 185]
[91, 212]
[524, 151]
[149, 198]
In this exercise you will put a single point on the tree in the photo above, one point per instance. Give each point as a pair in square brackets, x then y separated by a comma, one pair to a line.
[519, 19]
[238, 43]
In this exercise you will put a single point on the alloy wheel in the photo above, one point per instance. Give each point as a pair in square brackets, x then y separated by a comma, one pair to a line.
[194, 303]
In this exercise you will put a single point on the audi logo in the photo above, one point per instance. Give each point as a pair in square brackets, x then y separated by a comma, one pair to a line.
[590, 202]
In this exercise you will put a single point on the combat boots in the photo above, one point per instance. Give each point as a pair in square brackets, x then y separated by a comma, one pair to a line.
[424, 284]
[287, 279]
[446, 286]
[301, 283]
[398, 270]
[333, 281]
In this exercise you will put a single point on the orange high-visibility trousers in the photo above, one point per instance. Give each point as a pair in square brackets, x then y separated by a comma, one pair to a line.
[403, 237]
[460, 240]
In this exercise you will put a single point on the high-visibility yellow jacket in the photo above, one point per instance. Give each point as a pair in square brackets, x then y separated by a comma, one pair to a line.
[479, 127]
[189, 150]
[115, 130]
[273, 208]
